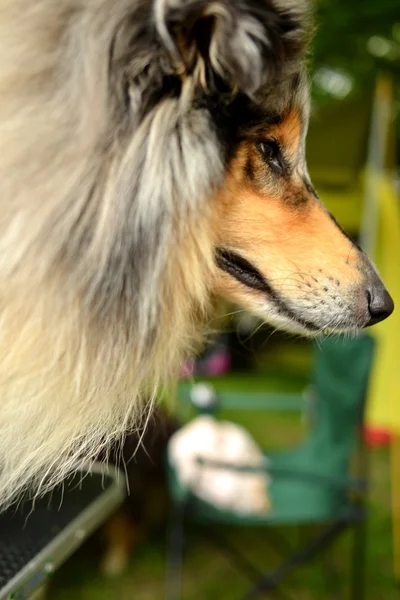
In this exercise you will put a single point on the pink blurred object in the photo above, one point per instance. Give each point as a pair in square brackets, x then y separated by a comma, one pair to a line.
[216, 364]
[187, 369]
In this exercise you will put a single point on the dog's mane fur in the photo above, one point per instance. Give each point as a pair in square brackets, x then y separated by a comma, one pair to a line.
[111, 151]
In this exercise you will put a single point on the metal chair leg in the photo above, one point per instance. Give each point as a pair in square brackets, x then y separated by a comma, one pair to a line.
[333, 580]
[173, 583]
[298, 558]
[357, 584]
[235, 556]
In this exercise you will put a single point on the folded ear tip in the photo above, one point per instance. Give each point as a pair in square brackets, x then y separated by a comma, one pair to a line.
[243, 43]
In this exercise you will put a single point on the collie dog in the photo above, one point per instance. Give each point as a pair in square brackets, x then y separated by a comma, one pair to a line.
[152, 160]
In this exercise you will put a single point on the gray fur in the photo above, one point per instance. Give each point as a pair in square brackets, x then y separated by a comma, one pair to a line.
[110, 158]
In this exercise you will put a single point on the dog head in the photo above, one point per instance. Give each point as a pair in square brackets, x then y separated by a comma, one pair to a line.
[166, 164]
[278, 250]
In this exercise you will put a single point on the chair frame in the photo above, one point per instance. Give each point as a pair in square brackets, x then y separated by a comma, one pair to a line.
[269, 584]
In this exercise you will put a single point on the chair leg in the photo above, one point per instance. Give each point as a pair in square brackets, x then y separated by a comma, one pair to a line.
[239, 559]
[332, 580]
[173, 583]
[357, 584]
[301, 556]
[233, 554]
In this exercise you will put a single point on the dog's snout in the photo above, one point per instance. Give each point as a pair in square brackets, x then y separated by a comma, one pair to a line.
[380, 303]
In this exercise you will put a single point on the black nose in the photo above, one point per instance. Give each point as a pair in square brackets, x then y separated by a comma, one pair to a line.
[380, 304]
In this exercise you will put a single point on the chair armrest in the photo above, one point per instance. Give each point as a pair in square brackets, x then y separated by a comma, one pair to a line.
[344, 483]
[262, 401]
[249, 401]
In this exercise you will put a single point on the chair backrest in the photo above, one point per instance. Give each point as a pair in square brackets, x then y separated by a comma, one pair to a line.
[341, 371]
[310, 481]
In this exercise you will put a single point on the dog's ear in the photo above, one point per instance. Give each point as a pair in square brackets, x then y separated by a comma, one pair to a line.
[237, 42]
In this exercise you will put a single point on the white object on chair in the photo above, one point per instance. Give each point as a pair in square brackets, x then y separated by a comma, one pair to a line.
[226, 442]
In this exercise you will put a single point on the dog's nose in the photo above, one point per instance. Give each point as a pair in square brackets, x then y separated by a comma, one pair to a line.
[380, 303]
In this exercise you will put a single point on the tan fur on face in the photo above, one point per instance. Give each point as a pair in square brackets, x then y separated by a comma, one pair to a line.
[281, 228]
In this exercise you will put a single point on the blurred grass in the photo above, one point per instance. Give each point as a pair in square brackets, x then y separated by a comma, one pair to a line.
[209, 576]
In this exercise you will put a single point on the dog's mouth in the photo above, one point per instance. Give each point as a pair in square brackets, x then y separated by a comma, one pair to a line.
[242, 270]
[247, 274]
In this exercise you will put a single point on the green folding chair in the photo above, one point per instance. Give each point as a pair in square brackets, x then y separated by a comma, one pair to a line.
[312, 483]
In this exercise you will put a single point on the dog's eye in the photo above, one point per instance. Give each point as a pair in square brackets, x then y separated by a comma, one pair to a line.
[271, 154]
